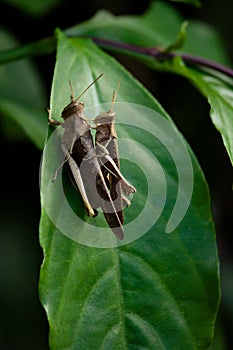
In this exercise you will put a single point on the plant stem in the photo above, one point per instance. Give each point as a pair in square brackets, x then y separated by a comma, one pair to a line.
[161, 55]
[41, 47]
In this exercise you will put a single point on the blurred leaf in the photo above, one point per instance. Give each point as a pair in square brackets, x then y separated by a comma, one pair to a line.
[150, 29]
[32, 121]
[190, 2]
[22, 95]
[13, 74]
[158, 292]
[34, 7]
[204, 41]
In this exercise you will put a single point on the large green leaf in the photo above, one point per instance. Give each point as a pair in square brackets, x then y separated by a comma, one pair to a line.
[159, 291]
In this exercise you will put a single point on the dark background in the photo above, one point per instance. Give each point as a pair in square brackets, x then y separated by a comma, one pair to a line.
[23, 323]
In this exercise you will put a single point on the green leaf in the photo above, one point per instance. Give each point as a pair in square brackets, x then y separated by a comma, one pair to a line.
[220, 96]
[159, 291]
[217, 89]
[180, 39]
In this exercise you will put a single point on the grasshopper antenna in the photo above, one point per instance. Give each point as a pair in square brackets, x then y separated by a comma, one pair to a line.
[72, 91]
[82, 93]
[114, 95]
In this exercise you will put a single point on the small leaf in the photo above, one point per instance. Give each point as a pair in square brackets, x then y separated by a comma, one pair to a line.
[180, 39]
[157, 292]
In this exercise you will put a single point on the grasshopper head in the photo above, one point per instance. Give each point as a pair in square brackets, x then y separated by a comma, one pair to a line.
[72, 108]
[108, 117]
[76, 106]
[105, 118]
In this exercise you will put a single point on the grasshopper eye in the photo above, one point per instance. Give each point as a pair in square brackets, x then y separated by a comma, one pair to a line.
[81, 103]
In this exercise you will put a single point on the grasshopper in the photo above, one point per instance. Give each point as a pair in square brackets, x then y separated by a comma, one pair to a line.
[107, 151]
[77, 146]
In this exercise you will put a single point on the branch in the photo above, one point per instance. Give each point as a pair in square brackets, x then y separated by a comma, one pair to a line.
[41, 47]
[162, 55]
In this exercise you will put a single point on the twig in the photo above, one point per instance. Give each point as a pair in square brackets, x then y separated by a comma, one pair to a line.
[160, 55]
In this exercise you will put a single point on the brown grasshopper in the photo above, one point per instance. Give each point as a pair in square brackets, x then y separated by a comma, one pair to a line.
[77, 145]
[107, 151]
